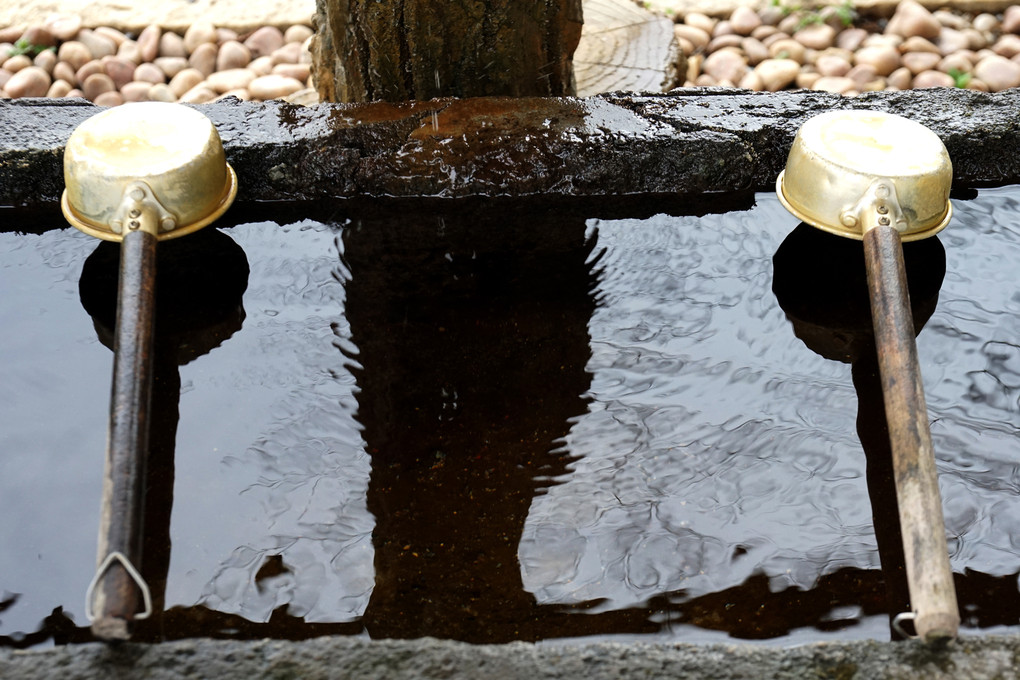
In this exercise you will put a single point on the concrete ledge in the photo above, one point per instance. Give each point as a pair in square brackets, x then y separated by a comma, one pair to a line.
[688, 142]
[339, 658]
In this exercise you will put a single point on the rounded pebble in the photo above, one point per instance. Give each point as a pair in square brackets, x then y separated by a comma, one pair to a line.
[172, 45]
[233, 79]
[185, 80]
[148, 42]
[297, 33]
[96, 84]
[264, 41]
[199, 33]
[74, 53]
[204, 58]
[111, 98]
[31, 81]
[275, 86]
[120, 70]
[998, 72]
[150, 73]
[58, 89]
[63, 27]
[232, 54]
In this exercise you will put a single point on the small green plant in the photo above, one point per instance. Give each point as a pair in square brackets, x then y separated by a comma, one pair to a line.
[960, 78]
[22, 46]
[816, 13]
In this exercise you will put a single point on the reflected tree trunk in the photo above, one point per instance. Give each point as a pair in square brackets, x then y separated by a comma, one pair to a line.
[396, 50]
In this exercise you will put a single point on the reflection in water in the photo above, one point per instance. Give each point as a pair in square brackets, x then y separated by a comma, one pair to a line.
[200, 283]
[472, 343]
[820, 281]
[597, 424]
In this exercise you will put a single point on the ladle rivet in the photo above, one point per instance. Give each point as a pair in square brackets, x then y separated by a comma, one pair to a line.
[883, 209]
[137, 194]
[136, 212]
[168, 223]
[884, 221]
[134, 224]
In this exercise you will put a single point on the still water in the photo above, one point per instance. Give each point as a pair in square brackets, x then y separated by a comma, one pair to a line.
[499, 423]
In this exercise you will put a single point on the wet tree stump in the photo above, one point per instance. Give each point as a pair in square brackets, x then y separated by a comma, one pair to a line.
[397, 50]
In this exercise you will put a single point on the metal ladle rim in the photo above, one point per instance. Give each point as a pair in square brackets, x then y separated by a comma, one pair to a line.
[102, 231]
[846, 233]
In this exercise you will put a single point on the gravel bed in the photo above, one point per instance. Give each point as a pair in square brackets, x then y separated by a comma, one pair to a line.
[60, 58]
[832, 49]
[783, 46]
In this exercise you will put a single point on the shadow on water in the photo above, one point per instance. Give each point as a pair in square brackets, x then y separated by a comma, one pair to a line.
[471, 349]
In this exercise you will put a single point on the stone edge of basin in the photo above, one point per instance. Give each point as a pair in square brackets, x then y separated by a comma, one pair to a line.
[340, 657]
[683, 143]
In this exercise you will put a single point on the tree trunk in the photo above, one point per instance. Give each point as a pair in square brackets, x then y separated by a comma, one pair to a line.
[395, 50]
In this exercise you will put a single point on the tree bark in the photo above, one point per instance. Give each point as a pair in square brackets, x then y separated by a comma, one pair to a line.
[397, 50]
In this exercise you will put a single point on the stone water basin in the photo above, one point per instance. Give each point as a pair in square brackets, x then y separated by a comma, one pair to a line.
[508, 420]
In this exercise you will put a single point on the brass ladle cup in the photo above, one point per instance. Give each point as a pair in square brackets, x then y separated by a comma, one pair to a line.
[137, 174]
[885, 179]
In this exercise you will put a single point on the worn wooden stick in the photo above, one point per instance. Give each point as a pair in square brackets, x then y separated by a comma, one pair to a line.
[929, 576]
[119, 594]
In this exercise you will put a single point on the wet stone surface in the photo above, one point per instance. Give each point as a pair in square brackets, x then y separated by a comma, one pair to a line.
[689, 142]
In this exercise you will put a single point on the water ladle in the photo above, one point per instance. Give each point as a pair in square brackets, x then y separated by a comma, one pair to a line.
[884, 179]
[136, 174]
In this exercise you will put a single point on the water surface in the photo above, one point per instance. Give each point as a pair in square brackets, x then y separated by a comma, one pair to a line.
[507, 423]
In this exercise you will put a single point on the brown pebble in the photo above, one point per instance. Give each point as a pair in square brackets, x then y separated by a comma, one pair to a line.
[58, 89]
[900, 78]
[918, 44]
[39, 35]
[150, 73]
[763, 32]
[232, 79]
[111, 98]
[136, 91]
[885, 59]
[261, 66]
[956, 62]
[148, 42]
[225, 35]
[274, 86]
[129, 50]
[787, 48]
[75, 93]
[696, 36]
[926, 79]
[816, 36]
[702, 21]
[161, 93]
[98, 45]
[74, 53]
[112, 33]
[64, 71]
[1007, 45]
[10, 34]
[200, 94]
[120, 70]
[1011, 19]
[806, 79]
[754, 49]
[851, 38]
[31, 81]
[94, 66]
[204, 58]
[63, 26]
[744, 20]
[171, 66]
[4, 77]
[17, 63]
[717, 43]
[264, 41]
[298, 71]
[913, 18]
[832, 65]
[232, 54]
[920, 61]
[841, 85]
[199, 33]
[998, 72]
[185, 80]
[46, 60]
[172, 45]
[96, 84]
[297, 33]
